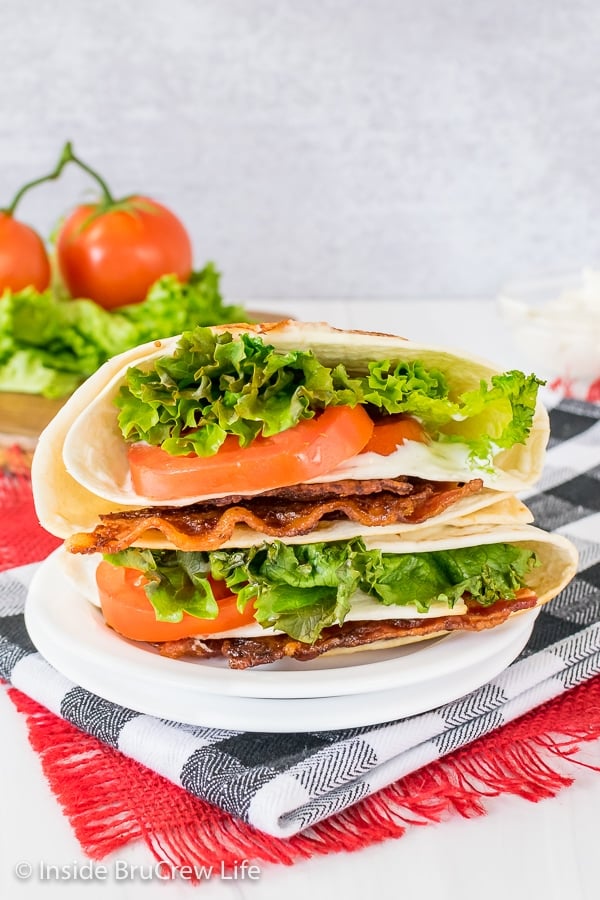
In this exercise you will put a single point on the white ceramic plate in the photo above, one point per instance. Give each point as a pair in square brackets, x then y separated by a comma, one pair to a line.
[71, 634]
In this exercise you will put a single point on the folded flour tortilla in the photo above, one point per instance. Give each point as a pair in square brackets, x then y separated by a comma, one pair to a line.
[77, 478]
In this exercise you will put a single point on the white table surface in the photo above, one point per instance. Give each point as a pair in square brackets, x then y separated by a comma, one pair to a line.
[518, 850]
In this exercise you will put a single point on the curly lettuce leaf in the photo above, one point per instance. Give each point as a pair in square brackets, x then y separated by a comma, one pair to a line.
[215, 385]
[26, 371]
[299, 589]
[171, 306]
[49, 346]
[302, 589]
[177, 582]
[488, 573]
[496, 416]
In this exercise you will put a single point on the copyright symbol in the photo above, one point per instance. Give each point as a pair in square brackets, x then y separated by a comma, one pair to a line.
[23, 870]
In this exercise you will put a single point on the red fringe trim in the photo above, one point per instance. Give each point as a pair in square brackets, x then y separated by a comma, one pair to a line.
[111, 800]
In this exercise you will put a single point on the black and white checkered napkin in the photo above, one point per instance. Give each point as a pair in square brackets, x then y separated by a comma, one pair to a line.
[283, 783]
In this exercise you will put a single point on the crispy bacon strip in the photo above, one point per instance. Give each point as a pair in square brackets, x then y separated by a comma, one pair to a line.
[242, 653]
[207, 526]
[346, 487]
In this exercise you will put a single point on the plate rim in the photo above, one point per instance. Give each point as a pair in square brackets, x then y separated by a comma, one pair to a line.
[317, 714]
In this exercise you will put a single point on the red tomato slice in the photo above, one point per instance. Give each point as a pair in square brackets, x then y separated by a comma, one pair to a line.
[391, 432]
[127, 609]
[311, 448]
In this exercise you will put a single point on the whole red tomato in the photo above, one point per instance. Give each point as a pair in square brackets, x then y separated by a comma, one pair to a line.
[23, 257]
[113, 256]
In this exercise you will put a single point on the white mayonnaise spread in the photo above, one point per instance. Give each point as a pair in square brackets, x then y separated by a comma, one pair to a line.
[364, 608]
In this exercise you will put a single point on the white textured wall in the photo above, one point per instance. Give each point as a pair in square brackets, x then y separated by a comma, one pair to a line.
[323, 148]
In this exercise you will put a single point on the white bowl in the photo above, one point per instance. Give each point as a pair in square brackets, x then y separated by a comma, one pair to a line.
[555, 322]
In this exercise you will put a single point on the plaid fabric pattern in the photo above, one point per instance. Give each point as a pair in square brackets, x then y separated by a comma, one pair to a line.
[284, 783]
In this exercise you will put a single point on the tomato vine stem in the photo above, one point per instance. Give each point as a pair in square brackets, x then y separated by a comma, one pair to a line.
[108, 199]
[67, 156]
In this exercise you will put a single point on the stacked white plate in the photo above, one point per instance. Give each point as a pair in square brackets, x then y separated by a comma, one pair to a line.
[341, 691]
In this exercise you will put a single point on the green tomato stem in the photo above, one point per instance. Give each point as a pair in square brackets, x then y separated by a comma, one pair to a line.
[107, 199]
[67, 156]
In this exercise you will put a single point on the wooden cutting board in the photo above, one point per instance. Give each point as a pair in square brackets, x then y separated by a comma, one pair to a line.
[26, 415]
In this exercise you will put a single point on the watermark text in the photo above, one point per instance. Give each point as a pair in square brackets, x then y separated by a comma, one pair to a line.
[123, 870]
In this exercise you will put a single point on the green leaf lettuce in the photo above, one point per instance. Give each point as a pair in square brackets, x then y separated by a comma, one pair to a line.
[214, 385]
[303, 588]
[50, 344]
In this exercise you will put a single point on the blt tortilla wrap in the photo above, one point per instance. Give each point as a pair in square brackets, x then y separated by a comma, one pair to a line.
[403, 588]
[385, 546]
[82, 456]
